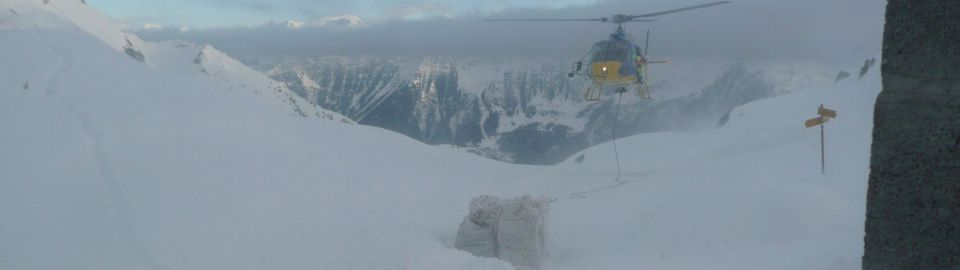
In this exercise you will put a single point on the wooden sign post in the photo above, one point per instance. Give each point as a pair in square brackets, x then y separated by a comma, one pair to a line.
[825, 116]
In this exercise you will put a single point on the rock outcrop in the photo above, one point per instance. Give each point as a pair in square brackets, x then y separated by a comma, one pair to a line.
[913, 202]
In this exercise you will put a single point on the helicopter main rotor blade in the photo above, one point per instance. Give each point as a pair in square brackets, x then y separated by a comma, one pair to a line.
[606, 20]
[546, 20]
[677, 10]
[640, 20]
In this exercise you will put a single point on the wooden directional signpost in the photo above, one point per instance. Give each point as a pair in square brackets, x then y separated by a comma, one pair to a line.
[825, 116]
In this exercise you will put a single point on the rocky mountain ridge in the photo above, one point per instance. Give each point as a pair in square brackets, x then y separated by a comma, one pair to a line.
[525, 111]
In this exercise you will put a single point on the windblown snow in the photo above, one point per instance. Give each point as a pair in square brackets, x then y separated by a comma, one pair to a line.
[107, 162]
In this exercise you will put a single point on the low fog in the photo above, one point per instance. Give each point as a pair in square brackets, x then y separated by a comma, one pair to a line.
[817, 30]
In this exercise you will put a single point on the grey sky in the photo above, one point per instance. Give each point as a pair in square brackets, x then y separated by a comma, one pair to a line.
[823, 30]
[200, 14]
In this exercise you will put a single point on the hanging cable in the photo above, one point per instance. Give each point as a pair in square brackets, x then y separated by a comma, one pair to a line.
[617, 181]
[616, 153]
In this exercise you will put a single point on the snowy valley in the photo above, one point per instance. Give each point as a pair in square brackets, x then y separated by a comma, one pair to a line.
[528, 111]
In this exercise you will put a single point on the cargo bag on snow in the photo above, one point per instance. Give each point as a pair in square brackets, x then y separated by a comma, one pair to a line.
[511, 230]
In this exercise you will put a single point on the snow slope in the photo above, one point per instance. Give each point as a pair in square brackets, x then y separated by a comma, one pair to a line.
[747, 196]
[177, 57]
[106, 163]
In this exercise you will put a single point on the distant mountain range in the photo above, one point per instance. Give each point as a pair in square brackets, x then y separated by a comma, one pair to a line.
[526, 110]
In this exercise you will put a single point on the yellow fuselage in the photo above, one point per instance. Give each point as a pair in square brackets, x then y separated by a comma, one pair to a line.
[608, 73]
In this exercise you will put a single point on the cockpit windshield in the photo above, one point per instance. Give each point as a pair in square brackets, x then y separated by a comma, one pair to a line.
[613, 50]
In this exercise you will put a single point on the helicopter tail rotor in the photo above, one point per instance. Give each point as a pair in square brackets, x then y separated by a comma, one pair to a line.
[646, 47]
[646, 51]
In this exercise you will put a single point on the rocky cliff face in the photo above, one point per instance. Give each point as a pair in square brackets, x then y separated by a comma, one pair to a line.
[517, 111]
[913, 202]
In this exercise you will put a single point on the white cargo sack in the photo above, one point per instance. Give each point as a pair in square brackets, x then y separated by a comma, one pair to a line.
[512, 230]
[477, 234]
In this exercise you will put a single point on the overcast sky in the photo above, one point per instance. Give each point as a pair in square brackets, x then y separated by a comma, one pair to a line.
[823, 30]
[198, 14]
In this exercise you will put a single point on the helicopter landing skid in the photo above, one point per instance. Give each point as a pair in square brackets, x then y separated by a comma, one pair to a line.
[643, 91]
[593, 92]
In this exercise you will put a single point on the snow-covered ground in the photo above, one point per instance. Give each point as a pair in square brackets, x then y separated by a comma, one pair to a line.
[110, 163]
[746, 196]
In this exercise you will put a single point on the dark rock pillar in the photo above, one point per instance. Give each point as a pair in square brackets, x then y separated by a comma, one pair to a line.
[913, 202]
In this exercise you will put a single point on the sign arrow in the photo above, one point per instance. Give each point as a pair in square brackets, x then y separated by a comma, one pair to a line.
[816, 121]
[826, 112]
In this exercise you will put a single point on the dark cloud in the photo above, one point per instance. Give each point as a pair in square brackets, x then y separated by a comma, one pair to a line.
[826, 30]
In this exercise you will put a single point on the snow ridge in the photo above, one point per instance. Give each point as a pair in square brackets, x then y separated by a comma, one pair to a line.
[177, 57]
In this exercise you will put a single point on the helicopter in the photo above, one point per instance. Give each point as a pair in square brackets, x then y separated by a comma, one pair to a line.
[616, 62]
